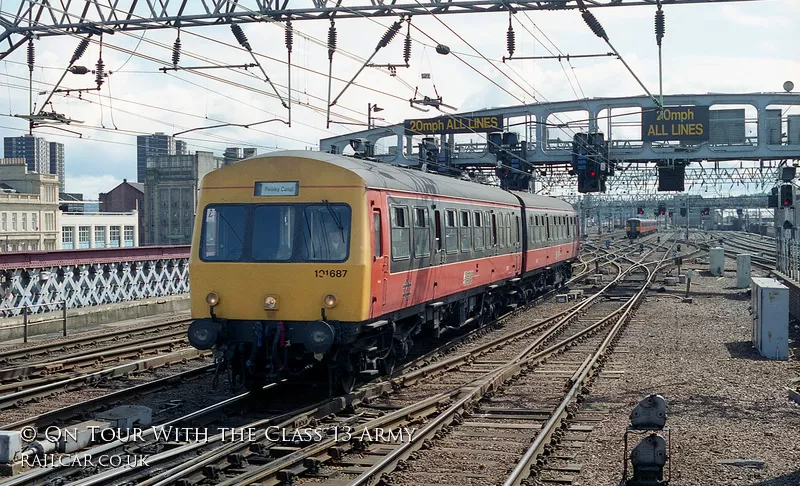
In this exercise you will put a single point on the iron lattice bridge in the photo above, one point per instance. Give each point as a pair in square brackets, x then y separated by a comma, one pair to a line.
[43, 281]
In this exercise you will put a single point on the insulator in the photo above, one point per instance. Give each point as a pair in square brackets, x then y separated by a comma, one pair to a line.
[442, 49]
[289, 35]
[239, 34]
[99, 72]
[331, 40]
[510, 40]
[80, 50]
[389, 35]
[176, 52]
[660, 26]
[594, 24]
[78, 69]
[31, 54]
[407, 48]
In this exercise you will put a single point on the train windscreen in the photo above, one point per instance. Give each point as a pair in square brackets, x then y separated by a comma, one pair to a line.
[276, 233]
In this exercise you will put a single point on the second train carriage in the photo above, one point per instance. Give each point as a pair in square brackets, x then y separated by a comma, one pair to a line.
[303, 258]
[638, 227]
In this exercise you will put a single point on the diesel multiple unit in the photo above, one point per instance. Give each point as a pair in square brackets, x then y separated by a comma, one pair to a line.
[303, 258]
[637, 227]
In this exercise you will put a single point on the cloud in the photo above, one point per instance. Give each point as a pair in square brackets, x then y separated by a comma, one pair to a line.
[92, 186]
[707, 48]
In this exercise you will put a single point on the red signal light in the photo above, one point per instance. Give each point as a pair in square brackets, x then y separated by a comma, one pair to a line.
[592, 173]
[787, 202]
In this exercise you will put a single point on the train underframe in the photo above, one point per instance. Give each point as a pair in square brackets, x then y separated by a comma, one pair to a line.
[254, 353]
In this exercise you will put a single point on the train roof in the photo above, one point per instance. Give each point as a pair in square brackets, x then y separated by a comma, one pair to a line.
[385, 176]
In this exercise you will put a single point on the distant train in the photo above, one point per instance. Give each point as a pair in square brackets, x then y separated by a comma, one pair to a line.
[312, 260]
[637, 227]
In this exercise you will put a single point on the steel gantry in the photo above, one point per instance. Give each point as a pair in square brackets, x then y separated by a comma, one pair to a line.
[44, 18]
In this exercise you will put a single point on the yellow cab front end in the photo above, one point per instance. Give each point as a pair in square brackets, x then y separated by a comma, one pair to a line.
[279, 265]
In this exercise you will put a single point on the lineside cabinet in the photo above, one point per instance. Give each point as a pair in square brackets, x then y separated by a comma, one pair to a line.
[769, 307]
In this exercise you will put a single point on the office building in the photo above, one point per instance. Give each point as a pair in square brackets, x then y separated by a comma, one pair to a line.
[71, 202]
[158, 144]
[56, 165]
[235, 154]
[29, 215]
[170, 201]
[99, 230]
[35, 151]
[180, 148]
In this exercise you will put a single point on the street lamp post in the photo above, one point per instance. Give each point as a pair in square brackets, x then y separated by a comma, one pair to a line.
[371, 107]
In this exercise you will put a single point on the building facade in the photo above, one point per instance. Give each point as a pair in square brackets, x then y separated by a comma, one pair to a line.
[40, 155]
[71, 202]
[157, 144]
[99, 230]
[181, 148]
[126, 197]
[29, 215]
[171, 189]
[235, 154]
[34, 150]
[57, 163]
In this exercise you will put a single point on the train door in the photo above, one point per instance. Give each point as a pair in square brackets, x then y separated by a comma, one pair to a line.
[439, 256]
[518, 245]
[494, 235]
[380, 265]
[438, 249]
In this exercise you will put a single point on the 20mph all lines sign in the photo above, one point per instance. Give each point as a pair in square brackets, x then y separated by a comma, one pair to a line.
[683, 123]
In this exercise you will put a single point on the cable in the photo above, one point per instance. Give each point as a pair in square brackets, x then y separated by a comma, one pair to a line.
[169, 110]
[155, 120]
[220, 79]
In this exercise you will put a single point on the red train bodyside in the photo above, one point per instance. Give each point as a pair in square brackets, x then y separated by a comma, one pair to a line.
[527, 248]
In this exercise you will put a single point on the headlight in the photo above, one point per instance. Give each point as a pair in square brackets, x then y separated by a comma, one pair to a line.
[330, 301]
[212, 299]
[270, 302]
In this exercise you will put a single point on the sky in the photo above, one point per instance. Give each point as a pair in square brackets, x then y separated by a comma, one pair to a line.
[735, 47]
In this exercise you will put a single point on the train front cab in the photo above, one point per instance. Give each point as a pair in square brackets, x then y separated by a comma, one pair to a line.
[271, 290]
[633, 228]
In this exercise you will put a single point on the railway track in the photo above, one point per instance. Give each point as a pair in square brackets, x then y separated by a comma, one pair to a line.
[59, 346]
[426, 366]
[220, 461]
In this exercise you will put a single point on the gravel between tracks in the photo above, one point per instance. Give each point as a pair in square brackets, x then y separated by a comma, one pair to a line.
[724, 401]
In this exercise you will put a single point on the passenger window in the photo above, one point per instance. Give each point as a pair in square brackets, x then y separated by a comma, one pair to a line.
[547, 226]
[501, 232]
[494, 229]
[478, 222]
[422, 233]
[466, 233]
[450, 232]
[487, 229]
[401, 238]
[509, 241]
[376, 223]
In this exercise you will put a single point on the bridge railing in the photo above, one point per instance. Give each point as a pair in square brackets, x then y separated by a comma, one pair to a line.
[44, 281]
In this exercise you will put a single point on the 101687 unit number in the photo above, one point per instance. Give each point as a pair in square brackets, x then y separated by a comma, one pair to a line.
[330, 273]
